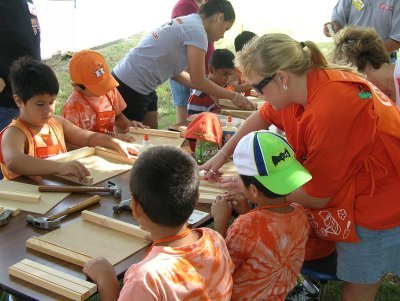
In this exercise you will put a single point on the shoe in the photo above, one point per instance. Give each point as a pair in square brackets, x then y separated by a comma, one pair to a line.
[300, 293]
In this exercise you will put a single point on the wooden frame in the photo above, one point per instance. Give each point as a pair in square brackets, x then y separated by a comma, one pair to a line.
[154, 132]
[157, 137]
[236, 113]
[53, 280]
[86, 152]
[44, 245]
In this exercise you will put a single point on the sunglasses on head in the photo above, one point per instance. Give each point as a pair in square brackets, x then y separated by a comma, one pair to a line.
[265, 81]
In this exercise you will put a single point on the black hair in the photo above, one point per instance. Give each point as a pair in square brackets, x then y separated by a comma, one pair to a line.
[164, 181]
[242, 39]
[247, 180]
[30, 77]
[222, 58]
[212, 7]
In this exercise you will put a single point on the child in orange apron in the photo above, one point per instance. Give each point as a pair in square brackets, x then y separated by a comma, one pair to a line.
[95, 104]
[37, 134]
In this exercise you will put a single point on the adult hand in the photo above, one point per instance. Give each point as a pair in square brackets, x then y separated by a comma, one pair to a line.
[99, 270]
[232, 184]
[2, 84]
[211, 166]
[335, 27]
[74, 169]
[243, 103]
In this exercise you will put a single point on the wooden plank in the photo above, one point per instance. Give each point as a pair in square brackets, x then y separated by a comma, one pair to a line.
[1, 210]
[15, 210]
[237, 113]
[89, 285]
[20, 196]
[114, 224]
[205, 189]
[258, 103]
[74, 155]
[63, 253]
[53, 280]
[207, 198]
[86, 181]
[154, 132]
[108, 153]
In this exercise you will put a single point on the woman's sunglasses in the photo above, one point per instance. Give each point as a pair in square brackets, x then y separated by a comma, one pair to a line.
[265, 81]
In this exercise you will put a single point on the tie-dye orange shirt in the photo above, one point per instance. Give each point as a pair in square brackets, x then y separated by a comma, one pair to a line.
[200, 271]
[267, 249]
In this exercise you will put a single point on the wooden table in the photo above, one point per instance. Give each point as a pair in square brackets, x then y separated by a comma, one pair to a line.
[14, 235]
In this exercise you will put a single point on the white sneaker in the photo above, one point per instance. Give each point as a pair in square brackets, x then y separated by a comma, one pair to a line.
[300, 293]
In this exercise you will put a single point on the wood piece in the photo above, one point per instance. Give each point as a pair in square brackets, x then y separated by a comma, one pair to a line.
[237, 113]
[53, 280]
[114, 224]
[1, 210]
[154, 132]
[20, 196]
[86, 181]
[258, 103]
[37, 244]
[79, 241]
[74, 155]
[15, 210]
[207, 198]
[205, 189]
[108, 153]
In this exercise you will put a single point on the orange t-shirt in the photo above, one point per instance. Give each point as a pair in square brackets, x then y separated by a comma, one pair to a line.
[267, 249]
[81, 113]
[200, 271]
[336, 138]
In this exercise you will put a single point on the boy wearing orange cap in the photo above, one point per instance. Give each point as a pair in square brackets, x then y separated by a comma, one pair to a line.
[95, 103]
[266, 244]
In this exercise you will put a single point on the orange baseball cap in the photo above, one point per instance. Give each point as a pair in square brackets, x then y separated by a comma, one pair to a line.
[89, 68]
[205, 126]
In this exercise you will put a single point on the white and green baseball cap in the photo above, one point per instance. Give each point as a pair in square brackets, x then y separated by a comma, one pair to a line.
[270, 159]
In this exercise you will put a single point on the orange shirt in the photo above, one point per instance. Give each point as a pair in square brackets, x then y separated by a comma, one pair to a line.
[267, 249]
[39, 146]
[200, 271]
[81, 110]
[337, 139]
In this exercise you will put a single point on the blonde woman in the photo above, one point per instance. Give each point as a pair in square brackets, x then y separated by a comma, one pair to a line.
[347, 134]
[365, 50]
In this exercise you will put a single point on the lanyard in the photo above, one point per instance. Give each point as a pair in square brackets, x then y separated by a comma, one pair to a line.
[170, 238]
[272, 206]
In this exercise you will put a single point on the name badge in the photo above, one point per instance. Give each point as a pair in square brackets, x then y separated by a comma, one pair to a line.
[32, 9]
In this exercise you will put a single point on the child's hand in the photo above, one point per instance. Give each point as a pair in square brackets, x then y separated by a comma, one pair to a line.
[126, 149]
[74, 169]
[221, 210]
[125, 137]
[137, 124]
[99, 269]
[239, 202]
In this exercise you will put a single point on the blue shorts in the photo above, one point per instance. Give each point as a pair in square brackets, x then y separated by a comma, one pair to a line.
[366, 262]
[180, 93]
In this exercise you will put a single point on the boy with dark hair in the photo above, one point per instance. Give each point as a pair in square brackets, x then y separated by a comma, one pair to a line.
[221, 67]
[38, 134]
[266, 244]
[182, 264]
[237, 82]
[95, 104]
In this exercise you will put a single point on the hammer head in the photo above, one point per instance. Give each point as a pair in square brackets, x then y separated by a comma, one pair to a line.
[123, 205]
[5, 217]
[43, 222]
[114, 189]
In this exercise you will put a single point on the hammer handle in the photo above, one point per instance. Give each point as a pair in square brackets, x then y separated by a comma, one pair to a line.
[77, 207]
[51, 188]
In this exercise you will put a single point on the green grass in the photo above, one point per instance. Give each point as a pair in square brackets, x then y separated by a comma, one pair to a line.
[389, 291]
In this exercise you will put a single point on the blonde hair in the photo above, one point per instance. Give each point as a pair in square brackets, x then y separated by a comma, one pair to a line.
[358, 46]
[275, 51]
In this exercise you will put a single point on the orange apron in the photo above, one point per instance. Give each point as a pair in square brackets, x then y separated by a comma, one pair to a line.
[104, 120]
[34, 150]
[336, 221]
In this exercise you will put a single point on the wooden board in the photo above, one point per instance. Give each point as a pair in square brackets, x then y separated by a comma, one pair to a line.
[14, 195]
[236, 113]
[157, 137]
[48, 199]
[102, 163]
[258, 102]
[92, 236]
[14, 210]
[53, 280]
[223, 119]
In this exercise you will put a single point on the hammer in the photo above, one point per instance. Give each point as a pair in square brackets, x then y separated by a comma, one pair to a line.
[111, 187]
[5, 217]
[123, 205]
[53, 221]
